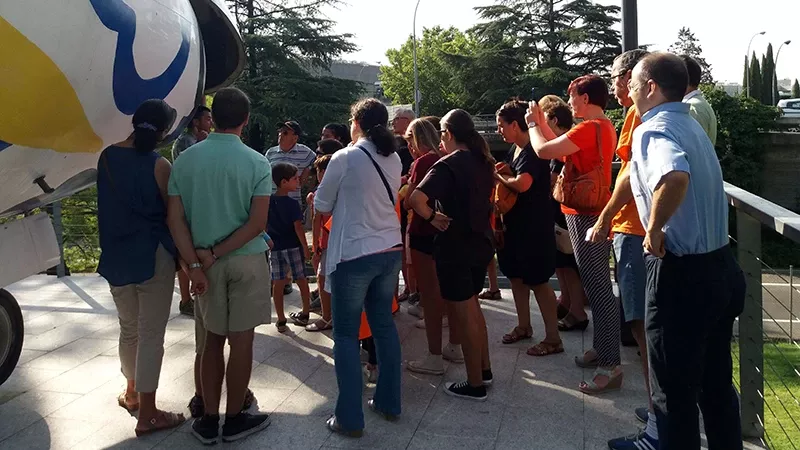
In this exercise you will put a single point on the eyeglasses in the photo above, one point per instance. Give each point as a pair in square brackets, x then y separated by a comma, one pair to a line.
[442, 131]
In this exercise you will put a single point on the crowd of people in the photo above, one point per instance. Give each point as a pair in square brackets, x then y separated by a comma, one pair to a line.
[425, 197]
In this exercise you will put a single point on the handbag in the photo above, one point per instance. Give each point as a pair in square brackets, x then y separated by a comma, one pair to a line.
[589, 191]
[504, 199]
[563, 242]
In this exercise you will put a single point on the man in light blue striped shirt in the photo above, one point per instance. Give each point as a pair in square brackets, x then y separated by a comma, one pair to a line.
[695, 288]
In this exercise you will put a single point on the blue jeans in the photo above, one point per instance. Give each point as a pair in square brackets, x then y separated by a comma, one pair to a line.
[365, 284]
[631, 274]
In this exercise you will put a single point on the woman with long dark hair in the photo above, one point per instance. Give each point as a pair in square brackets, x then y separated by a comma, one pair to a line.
[589, 148]
[423, 142]
[362, 264]
[528, 256]
[138, 257]
[459, 185]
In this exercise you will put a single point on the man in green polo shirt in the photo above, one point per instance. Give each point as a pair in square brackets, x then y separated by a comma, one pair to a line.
[220, 191]
[699, 107]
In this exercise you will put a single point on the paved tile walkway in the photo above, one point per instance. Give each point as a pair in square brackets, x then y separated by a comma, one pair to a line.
[63, 393]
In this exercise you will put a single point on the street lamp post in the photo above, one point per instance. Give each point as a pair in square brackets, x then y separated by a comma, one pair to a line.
[775, 71]
[416, 72]
[747, 59]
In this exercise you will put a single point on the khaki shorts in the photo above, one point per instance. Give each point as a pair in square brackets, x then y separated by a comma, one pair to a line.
[238, 296]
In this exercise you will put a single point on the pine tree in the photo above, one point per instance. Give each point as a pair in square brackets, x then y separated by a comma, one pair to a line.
[745, 76]
[688, 44]
[558, 39]
[796, 89]
[290, 46]
[755, 78]
[768, 77]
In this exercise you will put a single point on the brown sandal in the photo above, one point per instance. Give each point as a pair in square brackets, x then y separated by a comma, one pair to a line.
[516, 335]
[123, 402]
[162, 421]
[546, 348]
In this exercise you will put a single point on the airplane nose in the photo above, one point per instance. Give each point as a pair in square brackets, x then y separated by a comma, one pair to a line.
[39, 106]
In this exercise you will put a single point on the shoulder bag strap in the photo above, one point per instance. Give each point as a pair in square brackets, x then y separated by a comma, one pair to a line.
[380, 172]
[599, 141]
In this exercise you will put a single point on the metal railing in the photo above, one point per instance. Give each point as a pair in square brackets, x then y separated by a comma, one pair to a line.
[766, 350]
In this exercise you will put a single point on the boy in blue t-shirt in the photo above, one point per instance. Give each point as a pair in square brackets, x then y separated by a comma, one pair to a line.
[290, 249]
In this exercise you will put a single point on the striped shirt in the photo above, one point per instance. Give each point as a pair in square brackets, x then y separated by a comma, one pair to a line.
[300, 156]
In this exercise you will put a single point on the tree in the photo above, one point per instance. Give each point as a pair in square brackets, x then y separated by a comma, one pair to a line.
[557, 39]
[769, 83]
[290, 46]
[796, 89]
[688, 44]
[755, 78]
[456, 70]
[745, 76]
[739, 136]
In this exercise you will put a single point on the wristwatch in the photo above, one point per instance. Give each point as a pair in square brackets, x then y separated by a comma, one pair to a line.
[433, 216]
[196, 265]
[532, 124]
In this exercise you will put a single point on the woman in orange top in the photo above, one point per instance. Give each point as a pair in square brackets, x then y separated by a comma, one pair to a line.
[588, 145]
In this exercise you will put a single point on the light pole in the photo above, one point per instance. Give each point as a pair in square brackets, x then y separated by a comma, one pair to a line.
[775, 71]
[416, 73]
[747, 59]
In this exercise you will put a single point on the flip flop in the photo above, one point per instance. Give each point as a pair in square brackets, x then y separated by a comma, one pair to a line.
[122, 401]
[168, 420]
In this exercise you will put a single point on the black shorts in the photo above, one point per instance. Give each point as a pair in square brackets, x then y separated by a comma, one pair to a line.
[422, 244]
[461, 266]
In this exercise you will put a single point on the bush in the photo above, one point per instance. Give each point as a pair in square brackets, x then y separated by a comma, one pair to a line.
[739, 144]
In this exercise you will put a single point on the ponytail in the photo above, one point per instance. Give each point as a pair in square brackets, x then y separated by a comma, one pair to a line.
[145, 137]
[383, 139]
[459, 123]
[372, 117]
[478, 146]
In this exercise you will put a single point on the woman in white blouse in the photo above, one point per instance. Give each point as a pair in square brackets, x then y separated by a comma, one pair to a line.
[363, 261]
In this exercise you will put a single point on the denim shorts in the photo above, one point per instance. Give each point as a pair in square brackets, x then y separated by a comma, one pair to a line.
[631, 274]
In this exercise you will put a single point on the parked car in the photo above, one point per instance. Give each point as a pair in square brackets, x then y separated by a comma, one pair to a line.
[790, 107]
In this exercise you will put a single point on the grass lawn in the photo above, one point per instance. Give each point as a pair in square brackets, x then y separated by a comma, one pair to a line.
[781, 393]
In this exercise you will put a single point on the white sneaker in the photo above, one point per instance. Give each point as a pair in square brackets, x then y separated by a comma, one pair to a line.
[370, 374]
[453, 353]
[421, 324]
[429, 365]
[416, 311]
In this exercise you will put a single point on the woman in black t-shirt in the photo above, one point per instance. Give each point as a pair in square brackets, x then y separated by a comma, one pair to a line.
[528, 256]
[460, 185]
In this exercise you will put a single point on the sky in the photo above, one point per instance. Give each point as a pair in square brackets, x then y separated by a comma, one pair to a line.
[722, 29]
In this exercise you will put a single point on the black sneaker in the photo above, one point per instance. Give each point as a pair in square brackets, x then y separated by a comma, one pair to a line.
[413, 299]
[465, 391]
[287, 289]
[642, 414]
[187, 308]
[197, 407]
[488, 378]
[206, 429]
[243, 425]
